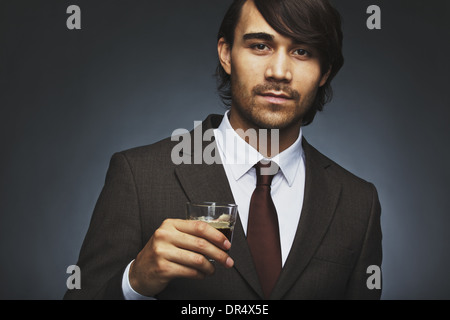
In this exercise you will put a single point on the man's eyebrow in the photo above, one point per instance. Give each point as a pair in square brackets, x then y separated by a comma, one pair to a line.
[258, 36]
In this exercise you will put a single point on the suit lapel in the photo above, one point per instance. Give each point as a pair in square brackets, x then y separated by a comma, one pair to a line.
[208, 182]
[321, 197]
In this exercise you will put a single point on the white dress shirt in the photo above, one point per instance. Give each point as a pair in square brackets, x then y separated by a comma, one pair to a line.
[288, 185]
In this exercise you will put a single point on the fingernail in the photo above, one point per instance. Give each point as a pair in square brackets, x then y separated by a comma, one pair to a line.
[227, 244]
[229, 262]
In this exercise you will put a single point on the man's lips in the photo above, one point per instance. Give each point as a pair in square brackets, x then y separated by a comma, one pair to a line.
[276, 97]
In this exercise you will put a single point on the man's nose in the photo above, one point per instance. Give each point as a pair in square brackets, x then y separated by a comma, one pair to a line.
[279, 68]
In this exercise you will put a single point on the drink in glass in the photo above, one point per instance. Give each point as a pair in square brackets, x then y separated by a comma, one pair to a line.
[221, 216]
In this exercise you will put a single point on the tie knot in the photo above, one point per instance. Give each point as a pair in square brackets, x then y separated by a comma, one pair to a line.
[265, 171]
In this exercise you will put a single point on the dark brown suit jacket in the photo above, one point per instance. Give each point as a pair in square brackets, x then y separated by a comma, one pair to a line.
[338, 236]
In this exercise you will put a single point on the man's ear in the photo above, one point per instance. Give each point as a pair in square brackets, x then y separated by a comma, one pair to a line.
[224, 51]
[324, 78]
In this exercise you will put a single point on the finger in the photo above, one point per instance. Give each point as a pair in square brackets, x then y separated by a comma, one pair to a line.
[204, 247]
[192, 260]
[171, 270]
[179, 233]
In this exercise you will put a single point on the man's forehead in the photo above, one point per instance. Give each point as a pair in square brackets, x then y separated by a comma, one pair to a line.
[252, 21]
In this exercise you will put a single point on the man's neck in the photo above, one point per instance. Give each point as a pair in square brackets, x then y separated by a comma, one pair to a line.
[268, 142]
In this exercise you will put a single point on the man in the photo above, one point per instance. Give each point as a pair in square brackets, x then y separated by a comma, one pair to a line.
[277, 59]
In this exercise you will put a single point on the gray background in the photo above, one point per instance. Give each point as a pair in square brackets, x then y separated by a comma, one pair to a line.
[137, 70]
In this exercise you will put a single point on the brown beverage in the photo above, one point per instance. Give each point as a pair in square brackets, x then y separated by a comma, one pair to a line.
[222, 226]
[226, 232]
[220, 216]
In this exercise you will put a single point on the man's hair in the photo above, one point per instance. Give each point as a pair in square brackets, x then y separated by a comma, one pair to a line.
[312, 22]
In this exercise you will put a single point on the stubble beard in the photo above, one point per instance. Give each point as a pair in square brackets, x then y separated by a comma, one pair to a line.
[267, 115]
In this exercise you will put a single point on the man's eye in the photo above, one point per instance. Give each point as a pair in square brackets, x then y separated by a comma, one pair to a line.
[302, 52]
[260, 47]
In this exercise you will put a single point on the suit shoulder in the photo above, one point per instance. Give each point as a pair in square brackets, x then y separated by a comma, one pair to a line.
[154, 150]
[148, 159]
[355, 191]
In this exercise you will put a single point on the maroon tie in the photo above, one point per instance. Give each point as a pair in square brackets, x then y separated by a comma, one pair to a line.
[263, 234]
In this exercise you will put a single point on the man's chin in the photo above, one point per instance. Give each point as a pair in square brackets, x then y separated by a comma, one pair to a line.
[269, 116]
[274, 120]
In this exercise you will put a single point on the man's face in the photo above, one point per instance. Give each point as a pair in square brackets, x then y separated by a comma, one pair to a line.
[274, 80]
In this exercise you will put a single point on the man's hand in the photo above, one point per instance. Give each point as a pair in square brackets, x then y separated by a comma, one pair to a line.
[178, 249]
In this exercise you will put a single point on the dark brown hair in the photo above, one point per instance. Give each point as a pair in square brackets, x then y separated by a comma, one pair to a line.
[313, 22]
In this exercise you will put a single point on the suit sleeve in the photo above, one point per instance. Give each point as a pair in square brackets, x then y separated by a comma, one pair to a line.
[113, 238]
[370, 255]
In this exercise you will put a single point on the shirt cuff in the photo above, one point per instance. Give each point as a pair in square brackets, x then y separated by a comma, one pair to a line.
[128, 291]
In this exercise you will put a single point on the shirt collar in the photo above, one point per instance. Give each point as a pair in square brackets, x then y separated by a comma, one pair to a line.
[241, 156]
